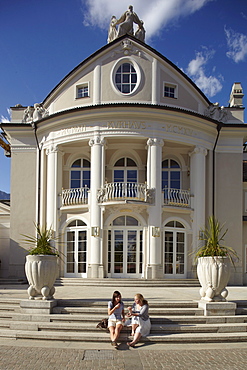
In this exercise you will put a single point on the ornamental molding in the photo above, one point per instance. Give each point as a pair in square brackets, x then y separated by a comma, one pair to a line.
[97, 140]
[199, 150]
[155, 142]
[23, 148]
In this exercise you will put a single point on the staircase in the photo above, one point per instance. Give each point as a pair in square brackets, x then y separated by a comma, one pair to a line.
[76, 320]
[128, 282]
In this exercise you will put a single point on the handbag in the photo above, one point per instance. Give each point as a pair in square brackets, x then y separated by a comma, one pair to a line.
[103, 324]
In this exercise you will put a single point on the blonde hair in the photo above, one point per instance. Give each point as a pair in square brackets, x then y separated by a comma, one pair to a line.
[141, 298]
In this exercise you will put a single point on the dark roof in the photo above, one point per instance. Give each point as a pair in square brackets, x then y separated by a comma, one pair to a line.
[105, 47]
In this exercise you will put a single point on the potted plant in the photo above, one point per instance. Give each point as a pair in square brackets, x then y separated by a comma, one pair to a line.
[214, 261]
[41, 265]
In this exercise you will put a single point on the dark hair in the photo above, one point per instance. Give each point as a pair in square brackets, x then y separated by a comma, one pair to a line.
[115, 295]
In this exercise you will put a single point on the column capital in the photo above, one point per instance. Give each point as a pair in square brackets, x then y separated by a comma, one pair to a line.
[155, 142]
[52, 149]
[199, 150]
[97, 140]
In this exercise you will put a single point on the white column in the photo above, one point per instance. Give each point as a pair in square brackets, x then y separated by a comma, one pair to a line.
[52, 192]
[154, 160]
[198, 190]
[97, 171]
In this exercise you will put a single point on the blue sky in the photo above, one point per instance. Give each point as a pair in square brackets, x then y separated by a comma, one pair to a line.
[41, 41]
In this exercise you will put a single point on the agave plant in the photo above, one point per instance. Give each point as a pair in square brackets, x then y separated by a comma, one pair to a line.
[42, 242]
[212, 238]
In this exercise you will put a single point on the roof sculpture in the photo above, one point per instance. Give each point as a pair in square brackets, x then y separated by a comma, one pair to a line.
[125, 26]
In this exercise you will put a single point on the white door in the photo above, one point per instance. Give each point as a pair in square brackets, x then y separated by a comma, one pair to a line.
[125, 248]
[175, 250]
[76, 249]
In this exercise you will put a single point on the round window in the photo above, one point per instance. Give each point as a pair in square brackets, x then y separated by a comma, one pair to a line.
[126, 78]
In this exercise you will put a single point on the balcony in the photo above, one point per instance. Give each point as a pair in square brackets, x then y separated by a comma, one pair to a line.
[121, 191]
[176, 197]
[74, 196]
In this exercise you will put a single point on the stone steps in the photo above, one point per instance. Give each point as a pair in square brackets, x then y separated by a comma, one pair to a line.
[128, 282]
[104, 337]
[76, 320]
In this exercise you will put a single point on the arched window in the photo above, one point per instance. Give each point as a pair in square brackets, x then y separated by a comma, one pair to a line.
[125, 170]
[76, 249]
[171, 174]
[174, 249]
[80, 174]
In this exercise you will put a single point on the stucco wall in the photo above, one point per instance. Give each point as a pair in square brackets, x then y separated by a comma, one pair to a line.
[23, 203]
[229, 204]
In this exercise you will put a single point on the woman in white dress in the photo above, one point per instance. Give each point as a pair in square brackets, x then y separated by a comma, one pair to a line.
[140, 321]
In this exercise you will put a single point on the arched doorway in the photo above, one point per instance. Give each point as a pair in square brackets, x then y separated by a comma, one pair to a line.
[175, 250]
[125, 248]
[76, 249]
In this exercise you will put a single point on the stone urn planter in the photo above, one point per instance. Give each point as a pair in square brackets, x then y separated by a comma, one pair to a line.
[213, 274]
[214, 261]
[41, 272]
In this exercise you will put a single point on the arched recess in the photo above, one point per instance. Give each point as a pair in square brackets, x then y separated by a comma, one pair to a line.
[76, 248]
[175, 249]
[125, 246]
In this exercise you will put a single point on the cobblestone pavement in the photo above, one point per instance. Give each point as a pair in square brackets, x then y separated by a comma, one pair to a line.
[20, 358]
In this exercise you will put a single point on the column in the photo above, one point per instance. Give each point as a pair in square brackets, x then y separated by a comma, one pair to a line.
[154, 159]
[95, 268]
[53, 159]
[198, 190]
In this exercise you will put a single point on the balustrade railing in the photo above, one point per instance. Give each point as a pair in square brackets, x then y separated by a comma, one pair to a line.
[176, 197]
[122, 191]
[74, 196]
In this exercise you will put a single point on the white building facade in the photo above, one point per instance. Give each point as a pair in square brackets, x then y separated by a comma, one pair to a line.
[125, 159]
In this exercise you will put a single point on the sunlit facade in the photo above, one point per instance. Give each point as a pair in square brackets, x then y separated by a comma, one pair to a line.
[125, 159]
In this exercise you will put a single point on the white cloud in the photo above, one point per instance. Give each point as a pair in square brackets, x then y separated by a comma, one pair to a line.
[237, 44]
[210, 85]
[4, 119]
[156, 14]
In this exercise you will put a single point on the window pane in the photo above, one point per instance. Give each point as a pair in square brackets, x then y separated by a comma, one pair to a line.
[77, 163]
[119, 221]
[130, 163]
[86, 163]
[174, 164]
[165, 163]
[131, 221]
[120, 163]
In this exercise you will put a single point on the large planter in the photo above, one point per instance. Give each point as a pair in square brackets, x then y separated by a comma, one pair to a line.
[41, 272]
[213, 274]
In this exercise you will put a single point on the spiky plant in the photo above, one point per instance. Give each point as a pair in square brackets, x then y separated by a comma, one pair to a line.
[212, 238]
[41, 243]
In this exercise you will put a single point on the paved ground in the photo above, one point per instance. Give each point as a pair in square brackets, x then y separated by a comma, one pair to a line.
[27, 355]
[32, 354]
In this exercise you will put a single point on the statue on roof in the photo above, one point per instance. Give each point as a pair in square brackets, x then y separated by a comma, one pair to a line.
[125, 26]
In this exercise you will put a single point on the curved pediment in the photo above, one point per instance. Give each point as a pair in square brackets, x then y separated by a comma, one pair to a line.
[126, 70]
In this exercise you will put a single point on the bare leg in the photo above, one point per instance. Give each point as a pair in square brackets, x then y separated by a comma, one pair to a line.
[117, 331]
[137, 336]
[112, 333]
[134, 326]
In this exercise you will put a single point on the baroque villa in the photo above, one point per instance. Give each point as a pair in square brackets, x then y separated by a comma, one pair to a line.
[125, 159]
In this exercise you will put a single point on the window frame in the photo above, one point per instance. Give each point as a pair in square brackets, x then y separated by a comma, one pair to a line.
[80, 169]
[115, 69]
[81, 86]
[170, 85]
